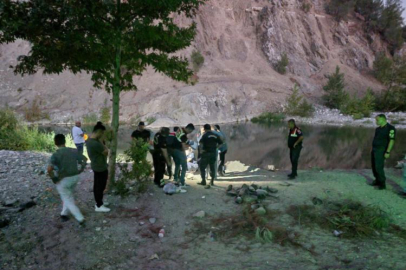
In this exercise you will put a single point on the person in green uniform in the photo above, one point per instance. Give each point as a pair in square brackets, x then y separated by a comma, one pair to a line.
[295, 140]
[382, 145]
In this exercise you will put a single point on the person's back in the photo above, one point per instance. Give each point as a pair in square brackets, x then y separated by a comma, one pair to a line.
[66, 160]
[210, 141]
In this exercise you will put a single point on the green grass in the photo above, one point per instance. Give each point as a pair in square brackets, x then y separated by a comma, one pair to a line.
[268, 117]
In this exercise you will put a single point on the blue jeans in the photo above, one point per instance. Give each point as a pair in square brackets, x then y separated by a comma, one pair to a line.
[79, 146]
[179, 157]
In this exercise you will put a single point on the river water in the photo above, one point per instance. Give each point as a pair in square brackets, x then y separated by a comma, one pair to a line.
[324, 147]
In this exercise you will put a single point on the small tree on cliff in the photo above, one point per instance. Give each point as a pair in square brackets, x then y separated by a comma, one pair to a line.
[114, 40]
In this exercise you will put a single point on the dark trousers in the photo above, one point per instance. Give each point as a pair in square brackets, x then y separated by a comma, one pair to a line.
[79, 146]
[222, 160]
[378, 163]
[180, 159]
[294, 158]
[100, 181]
[207, 159]
[159, 167]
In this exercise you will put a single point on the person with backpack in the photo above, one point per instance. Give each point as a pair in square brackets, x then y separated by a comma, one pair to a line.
[177, 144]
[64, 172]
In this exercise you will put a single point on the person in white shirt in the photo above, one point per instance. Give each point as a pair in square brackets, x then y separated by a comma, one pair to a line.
[78, 137]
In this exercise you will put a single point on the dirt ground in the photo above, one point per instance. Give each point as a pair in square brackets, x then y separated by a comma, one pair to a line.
[126, 239]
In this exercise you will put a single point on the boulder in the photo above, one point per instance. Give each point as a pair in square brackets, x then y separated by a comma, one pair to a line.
[200, 214]
[260, 211]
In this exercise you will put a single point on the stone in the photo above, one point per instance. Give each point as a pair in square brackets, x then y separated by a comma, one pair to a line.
[260, 211]
[141, 223]
[271, 168]
[98, 229]
[229, 188]
[152, 220]
[10, 202]
[232, 193]
[200, 214]
[271, 190]
[239, 200]
[261, 192]
[250, 199]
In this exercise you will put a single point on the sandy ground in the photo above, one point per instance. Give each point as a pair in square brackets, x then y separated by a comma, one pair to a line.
[37, 239]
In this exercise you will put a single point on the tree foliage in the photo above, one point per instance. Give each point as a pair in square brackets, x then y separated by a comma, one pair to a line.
[113, 40]
[281, 65]
[340, 8]
[297, 105]
[335, 96]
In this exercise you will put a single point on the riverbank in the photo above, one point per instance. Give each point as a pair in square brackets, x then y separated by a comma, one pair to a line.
[127, 238]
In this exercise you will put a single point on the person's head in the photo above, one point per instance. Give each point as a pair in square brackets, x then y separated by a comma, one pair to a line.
[189, 128]
[380, 120]
[207, 127]
[165, 131]
[78, 123]
[176, 129]
[98, 131]
[291, 123]
[141, 126]
[59, 140]
[217, 127]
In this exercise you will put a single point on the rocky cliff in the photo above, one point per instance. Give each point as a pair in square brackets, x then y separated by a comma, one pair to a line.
[240, 40]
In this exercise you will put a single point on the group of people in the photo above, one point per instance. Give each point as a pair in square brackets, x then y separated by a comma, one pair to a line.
[169, 147]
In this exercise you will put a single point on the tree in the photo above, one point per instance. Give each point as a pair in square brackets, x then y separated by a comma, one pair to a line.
[281, 65]
[297, 105]
[113, 40]
[391, 22]
[336, 96]
[340, 8]
[371, 10]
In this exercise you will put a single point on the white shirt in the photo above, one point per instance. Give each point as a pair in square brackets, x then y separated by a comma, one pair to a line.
[76, 132]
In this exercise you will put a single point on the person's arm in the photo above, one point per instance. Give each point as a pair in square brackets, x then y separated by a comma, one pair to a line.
[82, 160]
[50, 171]
[298, 141]
[166, 156]
[392, 136]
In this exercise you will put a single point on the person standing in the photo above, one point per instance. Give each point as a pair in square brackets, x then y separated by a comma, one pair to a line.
[78, 136]
[382, 145]
[208, 143]
[160, 155]
[142, 133]
[295, 140]
[176, 146]
[64, 172]
[223, 150]
[98, 153]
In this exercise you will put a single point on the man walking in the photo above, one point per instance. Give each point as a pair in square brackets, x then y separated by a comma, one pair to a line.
[223, 150]
[382, 145]
[78, 136]
[208, 143]
[160, 156]
[64, 172]
[176, 146]
[98, 156]
[295, 140]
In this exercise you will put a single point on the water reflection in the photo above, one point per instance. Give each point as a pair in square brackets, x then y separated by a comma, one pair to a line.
[324, 146]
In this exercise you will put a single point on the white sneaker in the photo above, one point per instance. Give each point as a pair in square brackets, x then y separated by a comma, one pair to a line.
[101, 209]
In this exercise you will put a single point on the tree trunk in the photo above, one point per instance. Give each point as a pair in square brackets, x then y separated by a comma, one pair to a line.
[115, 118]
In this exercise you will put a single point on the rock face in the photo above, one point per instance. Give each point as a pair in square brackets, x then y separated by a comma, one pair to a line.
[241, 41]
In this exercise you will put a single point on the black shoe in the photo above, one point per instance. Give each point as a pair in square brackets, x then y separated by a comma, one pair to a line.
[212, 182]
[380, 187]
[202, 183]
[64, 218]
[375, 183]
[292, 177]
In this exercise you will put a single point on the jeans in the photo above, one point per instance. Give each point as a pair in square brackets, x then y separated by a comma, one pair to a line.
[294, 158]
[79, 146]
[65, 189]
[100, 181]
[179, 157]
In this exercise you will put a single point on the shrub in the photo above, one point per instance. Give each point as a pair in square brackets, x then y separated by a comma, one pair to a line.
[281, 65]
[371, 10]
[360, 108]
[134, 166]
[105, 115]
[19, 137]
[268, 117]
[336, 96]
[150, 120]
[35, 113]
[90, 119]
[391, 22]
[306, 7]
[340, 8]
[197, 60]
[297, 105]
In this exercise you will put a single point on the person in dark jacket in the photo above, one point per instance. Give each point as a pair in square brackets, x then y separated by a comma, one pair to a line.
[160, 156]
[295, 139]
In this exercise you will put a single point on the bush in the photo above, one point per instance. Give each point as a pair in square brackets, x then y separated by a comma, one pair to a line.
[19, 137]
[336, 96]
[297, 105]
[340, 8]
[90, 119]
[281, 65]
[306, 7]
[371, 10]
[134, 167]
[268, 117]
[197, 60]
[35, 113]
[360, 108]
[391, 22]
[150, 120]
[105, 115]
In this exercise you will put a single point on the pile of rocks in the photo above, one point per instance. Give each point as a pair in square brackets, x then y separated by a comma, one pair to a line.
[251, 194]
